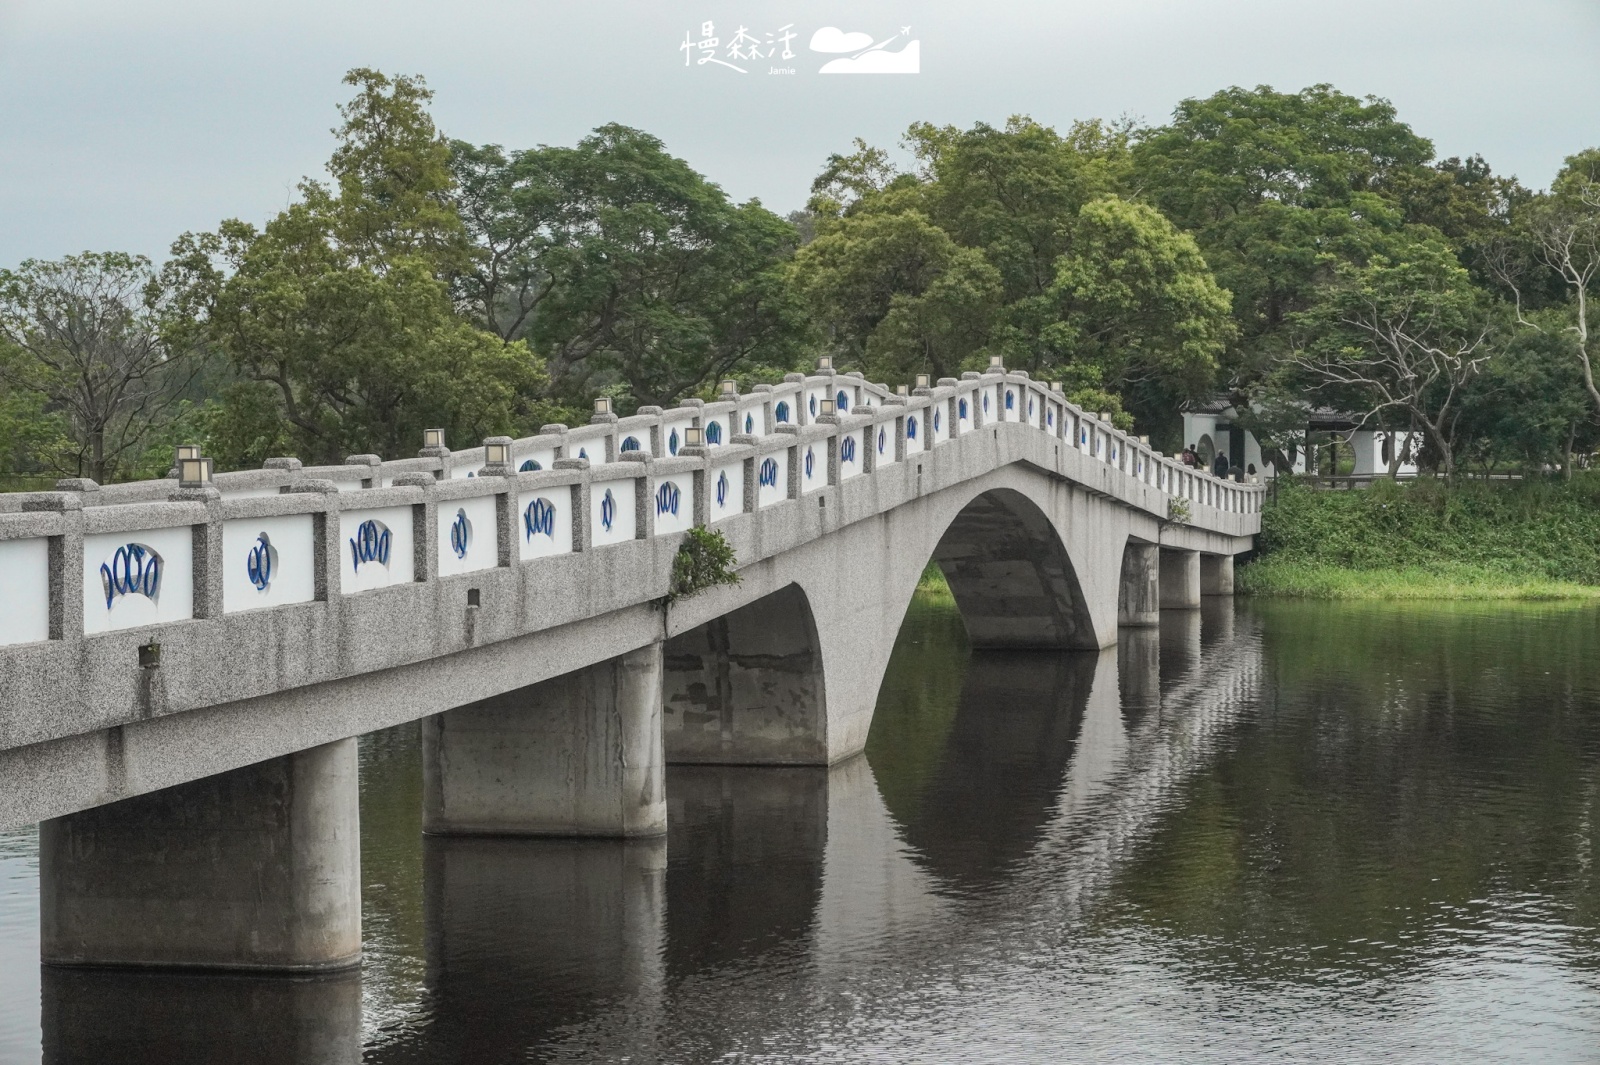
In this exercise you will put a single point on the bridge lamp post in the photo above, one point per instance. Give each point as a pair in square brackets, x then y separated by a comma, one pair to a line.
[1055, 386]
[193, 470]
[433, 438]
[602, 405]
[996, 365]
[827, 408]
[694, 436]
[923, 380]
[730, 390]
[899, 390]
[825, 362]
[496, 453]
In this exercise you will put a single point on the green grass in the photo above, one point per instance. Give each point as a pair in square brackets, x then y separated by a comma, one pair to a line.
[932, 588]
[1289, 579]
[1534, 541]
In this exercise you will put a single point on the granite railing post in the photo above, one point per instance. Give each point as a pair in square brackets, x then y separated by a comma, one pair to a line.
[207, 550]
[327, 553]
[644, 512]
[65, 553]
[702, 487]
[582, 538]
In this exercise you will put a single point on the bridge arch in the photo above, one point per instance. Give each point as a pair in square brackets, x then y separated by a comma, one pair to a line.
[748, 686]
[1012, 579]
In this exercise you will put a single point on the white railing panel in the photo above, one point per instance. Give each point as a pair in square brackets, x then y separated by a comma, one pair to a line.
[137, 578]
[25, 572]
[268, 562]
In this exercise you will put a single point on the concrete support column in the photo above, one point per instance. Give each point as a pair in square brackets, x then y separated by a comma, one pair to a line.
[1139, 591]
[1180, 579]
[579, 755]
[254, 869]
[1216, 574]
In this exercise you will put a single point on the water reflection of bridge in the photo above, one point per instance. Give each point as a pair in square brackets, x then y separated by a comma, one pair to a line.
[1053, 771]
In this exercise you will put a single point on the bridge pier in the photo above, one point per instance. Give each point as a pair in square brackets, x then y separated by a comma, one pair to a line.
[579, 755]
[254, 869]
[1139, 590]
[1180, 579]
[1216, 574]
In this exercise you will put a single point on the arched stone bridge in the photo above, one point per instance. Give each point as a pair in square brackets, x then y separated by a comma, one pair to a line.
[183, 670]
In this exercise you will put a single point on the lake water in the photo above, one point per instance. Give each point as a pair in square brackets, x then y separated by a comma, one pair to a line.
[1268, 832]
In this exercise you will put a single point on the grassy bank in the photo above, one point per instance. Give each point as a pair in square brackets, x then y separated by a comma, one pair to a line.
[1539, 540]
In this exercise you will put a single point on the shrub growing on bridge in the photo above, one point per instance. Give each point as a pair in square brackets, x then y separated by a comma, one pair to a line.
[705, 559]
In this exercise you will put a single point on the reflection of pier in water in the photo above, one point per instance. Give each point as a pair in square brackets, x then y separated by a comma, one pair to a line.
[1053, 809]
[779, 883]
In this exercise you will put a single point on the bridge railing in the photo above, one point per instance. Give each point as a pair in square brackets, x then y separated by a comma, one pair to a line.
[87, 559]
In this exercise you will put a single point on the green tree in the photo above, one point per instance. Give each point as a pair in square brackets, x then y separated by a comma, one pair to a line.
[337, 315]
[626, 268]
[92, 338]
[1402, 333]
[896, 295]
[1556, 248]
[1013, 242]
[1270, 183]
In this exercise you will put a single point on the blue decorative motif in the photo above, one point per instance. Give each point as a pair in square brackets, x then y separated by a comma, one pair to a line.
[962, 410]
[749, 424]
[713, 432]
[1030, 406]
[529, 466]
[608, 510]
[258, 563]
[811, 462]
[540, 517]
[1050, 418]
[769, 473]
[847, 449]
[370, 544]
[936, 419]
[672, 442]
[812, 405]
[583, 452]
[781, 412]
[986, 403]
[1083, 436]
[911, 428]
[631, 443]
[460, 534]
[134, 570]
[883, 440]
[1011, 400]
[722, 489]
[667, 498]
[841, 402]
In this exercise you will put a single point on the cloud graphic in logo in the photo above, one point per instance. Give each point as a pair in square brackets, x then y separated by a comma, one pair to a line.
[833, 39]
[907, 60]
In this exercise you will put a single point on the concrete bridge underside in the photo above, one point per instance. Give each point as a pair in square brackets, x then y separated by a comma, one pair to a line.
[565, 729]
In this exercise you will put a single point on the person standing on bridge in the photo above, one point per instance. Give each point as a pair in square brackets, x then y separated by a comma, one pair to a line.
[1188, 457]
[1220, 466]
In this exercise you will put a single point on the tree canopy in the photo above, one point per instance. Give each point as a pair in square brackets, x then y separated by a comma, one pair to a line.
[1279, 249]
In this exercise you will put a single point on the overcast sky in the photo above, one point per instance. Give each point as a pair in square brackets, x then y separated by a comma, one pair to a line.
[124, 123]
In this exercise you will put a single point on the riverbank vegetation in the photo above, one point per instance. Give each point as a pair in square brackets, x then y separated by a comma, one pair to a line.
[1280, 249]
[1428, 540]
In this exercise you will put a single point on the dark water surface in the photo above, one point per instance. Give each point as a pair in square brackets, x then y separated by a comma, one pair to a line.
[1284, 832]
